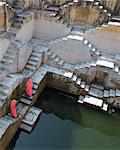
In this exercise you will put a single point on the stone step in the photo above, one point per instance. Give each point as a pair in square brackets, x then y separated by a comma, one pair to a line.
[117, 93]
[82, 85]
[74, 78]
[9, 117]
[34, 63]
[101, 7]
[106, 93]
[81, 99]
[86, 42]
[27, 97]
[6, 60]
[57, 59]
[68, 74]
[35, 86]
[7, 121]
[61, 62]
[4, 66]
[36, 54]
[96, 92]
[78, 81]
[112, 93]
[33, 92]
[77, 66]
[53, 56]
[30, 119]
[25, 101]
[87, 88]
[96, 3]
[21, 20]
[58, 17]
[55, 9]
[2, 130]
[13, 30]
[49, 53]
[31, 116]
[22, 108]
[5, 84]
[3, 74]
[26, 127]
[39, 78]
[34, 58]
[30, 67]
[17, 25]
[11, 51]
[10, 56]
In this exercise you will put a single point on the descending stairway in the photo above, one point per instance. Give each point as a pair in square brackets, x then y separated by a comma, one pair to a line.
[5, 123]
[36, 58]
[30, 119]
[55, 59]
[23, 106]
[22, 18]
[37, 77]
[7, 86]
[8, 59]
[18, 6]
[93, 90]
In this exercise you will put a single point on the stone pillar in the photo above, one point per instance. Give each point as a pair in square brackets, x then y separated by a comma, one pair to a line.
[2, 16]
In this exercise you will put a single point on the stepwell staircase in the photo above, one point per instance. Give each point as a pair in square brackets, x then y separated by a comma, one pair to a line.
[7, 86]
[28, 115]
[36, 58]
[55, 13]
[7, 62]
[93, 90]
[18, 6]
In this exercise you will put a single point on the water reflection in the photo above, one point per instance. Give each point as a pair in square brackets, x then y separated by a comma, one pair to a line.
[65, 124]
[88, 117]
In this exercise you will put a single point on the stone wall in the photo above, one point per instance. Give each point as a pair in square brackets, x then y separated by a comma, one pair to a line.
[23, 53]
[27, 31]
[57, 2]
[2, 17]
[48, 30]
[33, 3]
[4, 44]
[113, 5]
[82, 14]
[6, 16]
[63, 84]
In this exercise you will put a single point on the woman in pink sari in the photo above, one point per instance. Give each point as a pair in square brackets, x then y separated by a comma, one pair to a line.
[13, 108]
[29, 86]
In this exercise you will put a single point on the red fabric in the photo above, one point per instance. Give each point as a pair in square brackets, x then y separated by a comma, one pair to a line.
[29, 86]
[13, 108]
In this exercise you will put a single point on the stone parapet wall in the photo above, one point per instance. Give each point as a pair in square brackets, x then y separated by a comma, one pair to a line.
[83, 13]
[6, 16]
[113, 5]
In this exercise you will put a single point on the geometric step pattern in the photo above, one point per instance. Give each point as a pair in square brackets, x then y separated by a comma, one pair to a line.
[93, 90]
[30, 119]
[55, 58]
